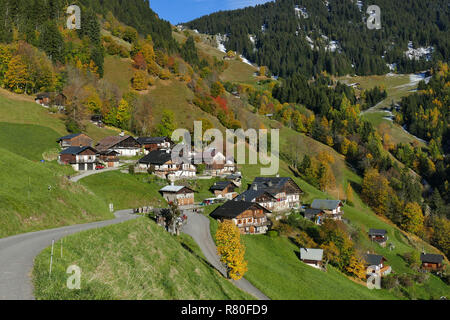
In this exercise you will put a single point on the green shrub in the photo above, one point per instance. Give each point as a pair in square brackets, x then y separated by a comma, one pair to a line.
[272, 234]
[131, 169]
[406, 280]
[389, 282]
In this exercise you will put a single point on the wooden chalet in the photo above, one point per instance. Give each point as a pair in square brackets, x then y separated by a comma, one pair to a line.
[110, 158]
[376, 264]
[262, 197]
[249, 217]
[324, 209]
[312, 257]
[48, 99]
[75, 140]
[124, 145]
[154, 143]
[431, 262]
[379, 236]
[80, 158]
[285, 191]
[160, 162]
[217, 164]
[224, 189]
[179, 195]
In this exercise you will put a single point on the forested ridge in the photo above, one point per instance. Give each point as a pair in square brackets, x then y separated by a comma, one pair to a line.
[281, 32]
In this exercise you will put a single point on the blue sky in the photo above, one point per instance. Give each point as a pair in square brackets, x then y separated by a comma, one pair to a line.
[177, 11]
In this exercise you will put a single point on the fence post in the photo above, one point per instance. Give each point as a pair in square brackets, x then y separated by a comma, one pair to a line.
[51, 258]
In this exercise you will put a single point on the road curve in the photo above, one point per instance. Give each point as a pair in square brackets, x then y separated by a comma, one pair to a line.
[17, 255]
[90, 173]
[198, 228]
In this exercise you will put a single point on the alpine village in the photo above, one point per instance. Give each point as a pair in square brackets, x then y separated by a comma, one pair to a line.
[361, 196]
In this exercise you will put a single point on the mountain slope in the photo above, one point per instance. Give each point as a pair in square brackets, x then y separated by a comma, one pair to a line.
[281, 35]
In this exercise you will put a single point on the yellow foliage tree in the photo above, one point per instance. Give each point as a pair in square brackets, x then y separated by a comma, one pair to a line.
[262, 71]
[356, 267]
[140, 80]
[231, 250]
[17, 76]
[413, 218]
[349, 193]
[375, 191]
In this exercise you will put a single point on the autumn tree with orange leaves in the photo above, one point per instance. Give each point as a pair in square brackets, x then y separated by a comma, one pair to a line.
[231, 250]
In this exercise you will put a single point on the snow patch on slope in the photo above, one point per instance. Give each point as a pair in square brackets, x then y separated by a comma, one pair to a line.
[419, 53]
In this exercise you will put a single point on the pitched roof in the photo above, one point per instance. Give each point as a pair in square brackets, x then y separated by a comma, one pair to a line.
[431, 258]
[377, 232]
[70, 136]
[222, 185]
[232, 209]
[174, 189]
[270, 184]
[76, 150]
[311, 254]
[310, 211]
[151, 140]
[157, 157]
[374, 259]
[251, 194]
[326, 204]
[109, 142]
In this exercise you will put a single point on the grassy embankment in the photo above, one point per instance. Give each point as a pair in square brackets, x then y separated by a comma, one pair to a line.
[134, 260]
[28, 134]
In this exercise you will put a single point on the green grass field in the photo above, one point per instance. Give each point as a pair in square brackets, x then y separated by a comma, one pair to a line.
[397, 86]
[13, 109]
[126, 191]
[27, 140]
[136, 260]
[275, 269]
[26, 203]
[119, 71]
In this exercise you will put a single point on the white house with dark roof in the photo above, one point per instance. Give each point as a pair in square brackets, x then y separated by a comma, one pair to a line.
[376, 265]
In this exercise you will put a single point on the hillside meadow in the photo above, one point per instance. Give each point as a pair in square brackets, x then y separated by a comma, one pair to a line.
[135, 260]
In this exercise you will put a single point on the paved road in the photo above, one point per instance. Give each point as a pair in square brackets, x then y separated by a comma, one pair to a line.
[17, 255]
[198, 228]
[90, 173]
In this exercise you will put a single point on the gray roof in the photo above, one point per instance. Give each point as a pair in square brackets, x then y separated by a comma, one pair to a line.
[250, 195]
[377, 232]
[431, 258]
[374, 259]
[70, 136]
[221, 185]
[157, 157]
[76, 150]
[151, 140]
[232, 209]
[325, 204]
[173, 189]
[311, 254]
[312, 212]
[270, 184]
